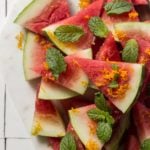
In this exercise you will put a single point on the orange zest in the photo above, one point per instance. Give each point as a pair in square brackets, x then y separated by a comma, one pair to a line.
[133, 15]
[121, 35]
[84, 3]
[20, 38]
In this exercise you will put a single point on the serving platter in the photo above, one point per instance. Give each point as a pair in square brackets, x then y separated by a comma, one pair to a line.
[22, 92]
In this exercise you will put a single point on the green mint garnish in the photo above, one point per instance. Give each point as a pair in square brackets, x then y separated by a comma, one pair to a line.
[69, 33]
[68, 142]
[100, 101]
[145, 145]
[117, 7]
[98, 27]
[114, 84]
[99, 115]
[104, 131]
[55, 61]
[130, 51]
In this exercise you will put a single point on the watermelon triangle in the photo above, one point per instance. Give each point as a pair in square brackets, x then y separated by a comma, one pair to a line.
[80, 19]
[140, 2]
[141, 115]
[109, 50]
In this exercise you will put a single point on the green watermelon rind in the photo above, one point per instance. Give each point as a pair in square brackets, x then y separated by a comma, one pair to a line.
[32, 10]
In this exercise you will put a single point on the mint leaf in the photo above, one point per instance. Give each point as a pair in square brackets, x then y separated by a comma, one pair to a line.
[68, 142]
[117, 7]
[98, 27]
[145, 145]
[104, 131]
[69, 33]
[100, 101]
[130, 51]
[55, 61]
[99, 115]
[114, 84]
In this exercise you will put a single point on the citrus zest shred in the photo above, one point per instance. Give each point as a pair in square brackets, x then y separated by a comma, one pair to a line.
[84, 83]
[91, 145]
[84, 3]
[20, 38]
[133, 15]
[147, 51]
[143, 60]
[45, 66]
[87, 17]
[75, 110]
[121, 35]
[92, 128]
[75, 63]
[36, 128]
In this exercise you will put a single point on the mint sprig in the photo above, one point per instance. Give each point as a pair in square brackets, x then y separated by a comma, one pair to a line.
[145, 145]
[55, 61]
[98, 27]
[68, 142]
[69, 33]
[104, 131]
[100, 101]
[117, 7]
[130, 51]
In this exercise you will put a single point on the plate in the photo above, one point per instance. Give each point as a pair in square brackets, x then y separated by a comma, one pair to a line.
[22, 92]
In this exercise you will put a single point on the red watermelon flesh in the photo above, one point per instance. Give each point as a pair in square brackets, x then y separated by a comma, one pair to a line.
[132, 143]
[54, 12]
[80, 19]
[79, 145]
[55, 143]
[141, 116]
[140, 2]
[108, 51]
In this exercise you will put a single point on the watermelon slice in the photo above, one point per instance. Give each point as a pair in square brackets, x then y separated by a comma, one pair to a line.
[81, 19]
[55, 143]
[101, 74]
[39, 14]
[108, 51]
[74, 77]
[141, 116]
[110, 20]
[139, 31]
[34, 55]
[50, 90]
[47, 121]
[140, 2]
[84, 127]
[71, 130]
[132, 143]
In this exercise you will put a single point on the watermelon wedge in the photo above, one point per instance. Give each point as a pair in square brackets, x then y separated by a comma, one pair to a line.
[55, 143]
[108, 51]
[139, 31]
[140, 2]
[39, 14]
[101, 74]
[34, 55]
[84, 127]
[80, 19]
[47, 121]
[141, 115]
[50, 90]
[110, 20]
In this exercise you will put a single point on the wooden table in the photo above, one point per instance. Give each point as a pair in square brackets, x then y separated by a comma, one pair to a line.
[13, 135]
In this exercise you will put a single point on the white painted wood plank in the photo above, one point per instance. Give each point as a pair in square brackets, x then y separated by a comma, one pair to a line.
[19, 144]
[2, 142]
[14, 124]
[2, 11]
[2, 90]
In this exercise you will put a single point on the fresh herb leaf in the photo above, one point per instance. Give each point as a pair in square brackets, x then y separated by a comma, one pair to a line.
[68, 142]
[69, 33]
[117, 7]
[98, 27]
[55, 61]
[100, 101]
[115, 67]
[104, 131]
[130, 51]
[145, 145]
[99, 115]
[114, 84]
